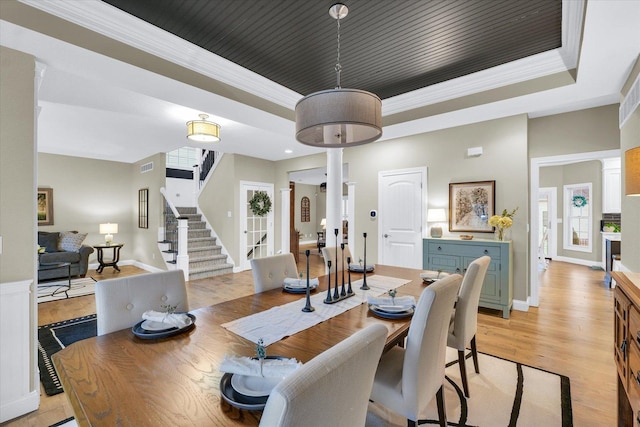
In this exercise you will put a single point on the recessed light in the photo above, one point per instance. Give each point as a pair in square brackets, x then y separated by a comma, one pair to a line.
[288, 151]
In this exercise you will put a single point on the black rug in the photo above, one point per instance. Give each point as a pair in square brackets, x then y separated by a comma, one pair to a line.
[53, 338]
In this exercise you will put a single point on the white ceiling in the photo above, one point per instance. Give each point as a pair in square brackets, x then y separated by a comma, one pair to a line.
[97, 107]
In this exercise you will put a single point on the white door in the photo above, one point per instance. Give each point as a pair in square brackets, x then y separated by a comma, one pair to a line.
[401, 205]
[256, 233]
[547, 214]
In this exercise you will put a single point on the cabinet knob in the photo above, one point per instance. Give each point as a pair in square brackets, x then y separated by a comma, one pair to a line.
[486, 252]
[458, 270]
[439, 248]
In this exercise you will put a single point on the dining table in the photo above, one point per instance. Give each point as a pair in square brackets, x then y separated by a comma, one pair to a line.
[119, 379]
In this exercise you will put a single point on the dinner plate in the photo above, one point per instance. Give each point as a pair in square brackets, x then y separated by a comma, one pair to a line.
[357, 268]
[392, 308]
[253, 386]
[140, 332]
[387, 315]
[150, 325]
[299, 290]
[238, 399]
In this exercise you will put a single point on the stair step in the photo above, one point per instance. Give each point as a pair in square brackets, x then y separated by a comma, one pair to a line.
[216, 270]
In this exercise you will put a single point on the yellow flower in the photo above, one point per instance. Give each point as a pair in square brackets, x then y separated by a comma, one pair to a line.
[502, 221]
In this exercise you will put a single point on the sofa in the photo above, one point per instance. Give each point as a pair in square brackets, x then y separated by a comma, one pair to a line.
[65, 246]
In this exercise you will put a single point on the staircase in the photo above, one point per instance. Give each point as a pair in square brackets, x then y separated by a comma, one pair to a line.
[205, 256]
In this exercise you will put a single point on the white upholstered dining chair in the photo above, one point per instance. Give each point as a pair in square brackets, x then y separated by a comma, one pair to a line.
[121, 302]
[332, 389]
[270, 272]
[408, 378]
[464, 320]
[329, 254]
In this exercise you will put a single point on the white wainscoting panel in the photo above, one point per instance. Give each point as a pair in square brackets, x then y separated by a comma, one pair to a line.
[19, 388]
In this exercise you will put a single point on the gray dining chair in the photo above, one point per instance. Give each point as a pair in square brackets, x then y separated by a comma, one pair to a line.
[329, 254]
[332, 389]
[464, 320]
[270, 272]
[121, 302]
[408, 378]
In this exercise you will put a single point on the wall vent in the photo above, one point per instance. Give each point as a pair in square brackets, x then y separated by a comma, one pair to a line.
[630, 102]
[147, 167]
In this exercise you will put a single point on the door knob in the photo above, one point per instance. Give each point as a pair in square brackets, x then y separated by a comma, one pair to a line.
[387, 235]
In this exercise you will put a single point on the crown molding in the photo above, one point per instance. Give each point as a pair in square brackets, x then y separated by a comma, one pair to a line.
[109, 21]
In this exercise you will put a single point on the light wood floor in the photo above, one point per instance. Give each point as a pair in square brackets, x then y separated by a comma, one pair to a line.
[571, 333]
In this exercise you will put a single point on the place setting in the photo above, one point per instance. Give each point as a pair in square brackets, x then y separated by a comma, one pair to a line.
[390, 306]
[299, 286]
[248, 381]
[157, 324]
[430, 276]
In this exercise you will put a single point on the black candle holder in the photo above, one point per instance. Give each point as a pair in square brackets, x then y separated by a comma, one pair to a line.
[364, 277]
[308, 308]
[337, 295]
[328, 299]
[349, 290]
[343, 292]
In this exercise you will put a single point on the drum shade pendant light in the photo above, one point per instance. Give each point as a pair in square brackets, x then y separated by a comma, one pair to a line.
[202, 130]
[338, 117]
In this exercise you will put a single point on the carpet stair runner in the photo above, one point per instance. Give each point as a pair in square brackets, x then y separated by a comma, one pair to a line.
[205, 255]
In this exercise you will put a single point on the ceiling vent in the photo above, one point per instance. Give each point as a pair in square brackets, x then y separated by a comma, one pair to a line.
[630, 102]
[147, 167]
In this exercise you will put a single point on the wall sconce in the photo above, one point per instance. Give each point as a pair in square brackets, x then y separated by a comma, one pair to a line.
[632, 172]
[437, 215]
[108, 230]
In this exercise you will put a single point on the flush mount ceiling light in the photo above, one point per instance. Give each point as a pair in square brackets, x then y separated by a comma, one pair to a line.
[338, 117]
[202, 130]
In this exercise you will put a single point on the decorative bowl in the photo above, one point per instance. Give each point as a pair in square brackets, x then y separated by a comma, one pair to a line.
[466, 236]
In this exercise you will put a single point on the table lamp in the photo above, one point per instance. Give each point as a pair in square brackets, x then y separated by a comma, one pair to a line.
[108, 230]
[323, 223]
[437, 215]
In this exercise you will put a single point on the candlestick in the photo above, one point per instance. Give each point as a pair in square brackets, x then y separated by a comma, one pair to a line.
[328, 298]
[308, 308]
[364, 278]
[343, 292]
[336, 295]
[349, 291]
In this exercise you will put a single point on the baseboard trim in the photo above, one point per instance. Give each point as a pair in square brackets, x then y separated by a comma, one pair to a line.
[578, 261]
[20, 406]
[521, 305]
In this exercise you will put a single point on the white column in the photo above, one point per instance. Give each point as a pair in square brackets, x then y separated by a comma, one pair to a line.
[182, 260]
[285, 205]
[351, 207]
[334, 195]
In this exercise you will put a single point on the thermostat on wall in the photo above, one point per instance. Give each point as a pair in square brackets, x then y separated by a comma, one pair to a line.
[373, 214]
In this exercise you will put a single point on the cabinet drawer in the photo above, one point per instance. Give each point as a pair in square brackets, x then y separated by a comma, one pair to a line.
[448, 263]
[475, 251]
[634, 374]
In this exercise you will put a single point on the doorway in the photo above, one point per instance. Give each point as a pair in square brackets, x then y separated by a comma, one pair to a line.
[547, 212]
[256, 234]
[401, 202]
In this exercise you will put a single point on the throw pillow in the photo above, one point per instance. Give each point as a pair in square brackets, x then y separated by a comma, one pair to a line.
[70, 241]
[48, 240]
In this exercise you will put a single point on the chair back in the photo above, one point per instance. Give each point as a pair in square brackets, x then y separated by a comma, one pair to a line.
[333, 388]
[424, 358]
[121, 302]
[329, 254]
[465, 321]
[270, 272]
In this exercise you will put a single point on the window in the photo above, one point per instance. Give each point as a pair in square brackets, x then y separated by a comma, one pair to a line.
[578, 217]
[305, 209]
[183, 158]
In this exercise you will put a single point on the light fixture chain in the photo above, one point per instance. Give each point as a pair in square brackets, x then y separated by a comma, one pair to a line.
[338, 66]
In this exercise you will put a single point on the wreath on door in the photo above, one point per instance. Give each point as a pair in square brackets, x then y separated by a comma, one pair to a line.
[260, 203]
[579, 201]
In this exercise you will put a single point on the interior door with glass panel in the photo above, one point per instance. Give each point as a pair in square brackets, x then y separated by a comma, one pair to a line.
[256, 238]
[547, 213]
[578, 231]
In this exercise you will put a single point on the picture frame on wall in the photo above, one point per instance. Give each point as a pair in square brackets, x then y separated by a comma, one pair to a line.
[471, 204]
[45, 206]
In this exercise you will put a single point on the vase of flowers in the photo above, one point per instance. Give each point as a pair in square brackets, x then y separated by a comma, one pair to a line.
[502, 223]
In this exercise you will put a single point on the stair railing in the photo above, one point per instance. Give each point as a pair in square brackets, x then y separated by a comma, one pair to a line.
[180, 241]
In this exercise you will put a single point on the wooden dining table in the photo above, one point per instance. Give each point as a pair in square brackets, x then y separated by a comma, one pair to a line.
[119, 379]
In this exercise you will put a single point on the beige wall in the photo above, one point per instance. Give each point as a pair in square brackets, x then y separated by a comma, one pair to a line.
[630, 138]
[558, 177]
[17, 166]
[583, 131]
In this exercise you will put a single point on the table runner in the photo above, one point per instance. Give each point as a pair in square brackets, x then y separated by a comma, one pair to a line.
[285, 320]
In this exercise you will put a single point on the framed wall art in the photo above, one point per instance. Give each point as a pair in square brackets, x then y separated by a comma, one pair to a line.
[471, 204]
[45, 206]
[143, 208]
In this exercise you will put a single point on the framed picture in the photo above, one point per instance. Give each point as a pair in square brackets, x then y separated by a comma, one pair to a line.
[45, 206]
[143, 208]
[471, 204]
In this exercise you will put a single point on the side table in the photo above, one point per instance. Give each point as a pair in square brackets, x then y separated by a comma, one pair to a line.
[116, 256]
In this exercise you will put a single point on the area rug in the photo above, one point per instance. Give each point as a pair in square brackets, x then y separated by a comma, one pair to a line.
[505, 393]
[53, 338]
[55, 290]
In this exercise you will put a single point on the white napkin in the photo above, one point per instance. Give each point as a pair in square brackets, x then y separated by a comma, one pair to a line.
[178, 320]
[433, 275]
[300, 283]
[243, 365]
[405, 301]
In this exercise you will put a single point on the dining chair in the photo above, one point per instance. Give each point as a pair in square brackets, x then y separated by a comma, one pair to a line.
[464, 320]
[408, 378]
[332, 389]
[329, 254]
[121, 302]
[270, 272]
